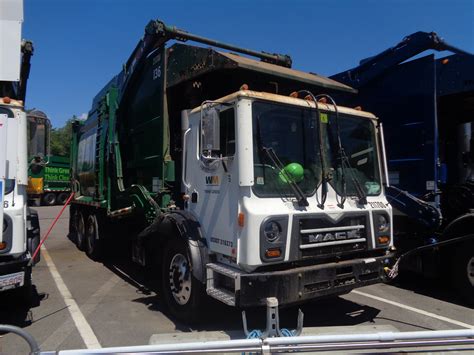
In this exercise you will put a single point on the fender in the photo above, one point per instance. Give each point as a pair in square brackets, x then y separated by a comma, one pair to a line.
[189, 229]
[462, 225]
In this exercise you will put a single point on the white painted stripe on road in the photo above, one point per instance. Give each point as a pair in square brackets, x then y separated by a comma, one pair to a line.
[56, 338]
[80, 321]
[416, 310]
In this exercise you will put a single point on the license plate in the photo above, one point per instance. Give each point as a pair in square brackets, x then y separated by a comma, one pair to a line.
[12, 280]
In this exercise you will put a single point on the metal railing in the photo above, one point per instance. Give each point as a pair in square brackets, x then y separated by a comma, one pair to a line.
[446, 339]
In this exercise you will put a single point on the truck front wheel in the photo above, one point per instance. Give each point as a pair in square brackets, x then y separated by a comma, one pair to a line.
[182, 292]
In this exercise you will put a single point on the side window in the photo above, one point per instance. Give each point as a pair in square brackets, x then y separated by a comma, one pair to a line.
[227, 132]
[218, 134]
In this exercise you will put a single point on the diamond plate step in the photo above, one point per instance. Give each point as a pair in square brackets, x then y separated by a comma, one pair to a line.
[221, 295]
[225, 270]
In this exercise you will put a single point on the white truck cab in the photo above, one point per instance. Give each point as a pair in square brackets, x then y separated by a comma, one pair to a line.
[19, 224]
[287, 210]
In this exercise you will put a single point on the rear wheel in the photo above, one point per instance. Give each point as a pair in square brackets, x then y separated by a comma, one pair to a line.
[49, 199]
[92, 242]
[463, 271]
[182, 292]
[62, 198]
[80, 229]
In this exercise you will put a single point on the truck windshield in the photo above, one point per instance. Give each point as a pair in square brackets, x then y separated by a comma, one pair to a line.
[290, 132]
[361, 158]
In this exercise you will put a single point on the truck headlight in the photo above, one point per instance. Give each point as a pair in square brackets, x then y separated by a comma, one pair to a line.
[272, 230]
[382, 223]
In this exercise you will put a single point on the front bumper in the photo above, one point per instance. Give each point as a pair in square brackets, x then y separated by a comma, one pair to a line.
[310, 282]
[9, 264]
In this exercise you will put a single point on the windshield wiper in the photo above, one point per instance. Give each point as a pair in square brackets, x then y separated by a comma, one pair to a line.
[359, 189]
[299, 194]
[340, 150]
[324, 176]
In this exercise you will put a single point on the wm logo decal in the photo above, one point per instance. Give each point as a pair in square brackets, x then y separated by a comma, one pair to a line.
[212, 180]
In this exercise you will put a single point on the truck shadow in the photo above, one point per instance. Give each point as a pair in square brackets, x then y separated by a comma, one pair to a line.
[18, 312]
[335, 311]
[430, 287]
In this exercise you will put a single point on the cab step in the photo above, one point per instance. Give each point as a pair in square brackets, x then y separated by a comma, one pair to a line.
[223, 282]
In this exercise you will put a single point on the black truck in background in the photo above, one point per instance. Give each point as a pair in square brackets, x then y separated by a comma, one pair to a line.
[426, 105]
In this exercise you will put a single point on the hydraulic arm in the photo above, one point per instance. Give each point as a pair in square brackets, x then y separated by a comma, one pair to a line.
[410, 46]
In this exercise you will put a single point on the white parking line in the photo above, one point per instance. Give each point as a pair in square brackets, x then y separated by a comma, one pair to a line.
[416, 310]
[80, 321]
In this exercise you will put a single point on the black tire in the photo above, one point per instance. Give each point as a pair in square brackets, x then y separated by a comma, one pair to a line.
[62, 198]
[80, 229]
[49, 199]
[463, 272]
[184, 302]
[92, 240]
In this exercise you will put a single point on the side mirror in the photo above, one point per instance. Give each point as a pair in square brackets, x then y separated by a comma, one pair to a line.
[210, 130]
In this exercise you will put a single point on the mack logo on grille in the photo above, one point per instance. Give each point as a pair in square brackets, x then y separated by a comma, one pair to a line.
[330, 237]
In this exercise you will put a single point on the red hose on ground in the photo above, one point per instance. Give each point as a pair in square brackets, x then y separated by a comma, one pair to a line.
[51, 227]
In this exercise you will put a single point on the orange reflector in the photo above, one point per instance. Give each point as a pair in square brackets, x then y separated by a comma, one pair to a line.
[7, 100]
[3, 245]
[294, 94]
[384, 239]
[241, 219]
[273, 253]
[323, 100]
[358, 108]
[445, 61]
[244, 87]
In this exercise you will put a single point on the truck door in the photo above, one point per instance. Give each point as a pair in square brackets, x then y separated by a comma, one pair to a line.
[211, 179]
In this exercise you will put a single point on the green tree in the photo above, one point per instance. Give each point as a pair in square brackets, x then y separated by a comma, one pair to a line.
[61, 139]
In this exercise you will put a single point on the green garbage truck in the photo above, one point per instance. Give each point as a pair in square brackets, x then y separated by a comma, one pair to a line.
[48, 175]
[230, 177]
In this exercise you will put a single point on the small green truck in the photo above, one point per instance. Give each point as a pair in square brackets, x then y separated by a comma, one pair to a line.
[48, 175]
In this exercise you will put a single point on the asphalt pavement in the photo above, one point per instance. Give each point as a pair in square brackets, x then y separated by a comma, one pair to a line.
[80, 303]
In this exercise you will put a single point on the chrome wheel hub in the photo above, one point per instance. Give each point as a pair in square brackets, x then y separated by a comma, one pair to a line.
[180, 279]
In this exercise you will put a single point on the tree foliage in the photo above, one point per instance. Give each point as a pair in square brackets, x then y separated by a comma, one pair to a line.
[61, 139]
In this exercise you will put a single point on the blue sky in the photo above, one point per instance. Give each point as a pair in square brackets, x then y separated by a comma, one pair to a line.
[81, 44]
